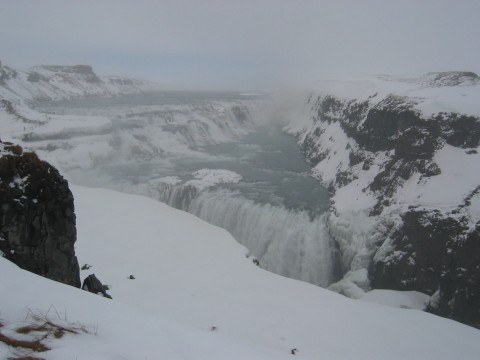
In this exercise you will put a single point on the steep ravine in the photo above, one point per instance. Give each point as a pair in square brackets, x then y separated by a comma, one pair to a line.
[405, 184]
[399, 155]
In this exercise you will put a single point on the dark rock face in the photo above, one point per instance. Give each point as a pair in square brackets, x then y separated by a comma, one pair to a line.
[35, 77]
[386, 122]
[37, 219]
[459, 130]
[6, 73]
[458, 294]
[93, 285]
[436, 254]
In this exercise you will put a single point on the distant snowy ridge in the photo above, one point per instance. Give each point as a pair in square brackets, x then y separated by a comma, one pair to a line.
[401, 157]
[63, 82]
[439, 79]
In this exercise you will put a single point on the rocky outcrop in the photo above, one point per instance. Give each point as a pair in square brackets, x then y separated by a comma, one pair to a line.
[93, 285]
[37, 219]
[381, 146]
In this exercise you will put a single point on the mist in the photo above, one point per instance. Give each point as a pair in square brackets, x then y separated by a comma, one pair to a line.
[251, 45]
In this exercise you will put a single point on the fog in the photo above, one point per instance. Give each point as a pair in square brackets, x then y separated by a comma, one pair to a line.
[254, 45]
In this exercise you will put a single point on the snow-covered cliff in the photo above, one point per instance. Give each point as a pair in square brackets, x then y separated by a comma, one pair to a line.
[60, 82]
[400, 156]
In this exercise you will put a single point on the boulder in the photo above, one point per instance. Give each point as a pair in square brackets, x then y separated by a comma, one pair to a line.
[93, 285]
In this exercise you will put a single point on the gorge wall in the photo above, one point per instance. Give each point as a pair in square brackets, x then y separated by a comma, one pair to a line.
[401, 159]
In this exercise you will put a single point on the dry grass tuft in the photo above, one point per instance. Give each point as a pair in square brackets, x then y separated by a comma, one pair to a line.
[35, 345]
[41, 328]
[49, 328]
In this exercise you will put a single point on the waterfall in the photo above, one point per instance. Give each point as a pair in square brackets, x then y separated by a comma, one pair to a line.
[286, 242]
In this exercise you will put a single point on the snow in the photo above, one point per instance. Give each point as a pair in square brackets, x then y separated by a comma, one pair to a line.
[474, 208]
[114, 330]
[353, 284]
[205, 178]
[197, 296]
[169, 180]
[430, 98]
[459, 176]
[401, 299]
[335, 139]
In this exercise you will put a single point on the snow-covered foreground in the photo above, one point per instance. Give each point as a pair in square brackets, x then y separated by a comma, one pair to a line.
[197, 296]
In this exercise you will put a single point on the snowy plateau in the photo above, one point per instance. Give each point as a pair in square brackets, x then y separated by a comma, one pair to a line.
[185, 289]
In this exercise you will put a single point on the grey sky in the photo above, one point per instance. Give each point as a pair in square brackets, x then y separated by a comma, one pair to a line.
[243, 44]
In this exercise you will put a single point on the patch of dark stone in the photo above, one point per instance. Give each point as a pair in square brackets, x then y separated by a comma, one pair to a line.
[93, 285]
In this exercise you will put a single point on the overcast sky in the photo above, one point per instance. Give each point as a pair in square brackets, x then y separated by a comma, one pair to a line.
[243, 44]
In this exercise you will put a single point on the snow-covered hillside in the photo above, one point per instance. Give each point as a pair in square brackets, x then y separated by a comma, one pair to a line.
[197, 296]
[401, 157]
[62, 82]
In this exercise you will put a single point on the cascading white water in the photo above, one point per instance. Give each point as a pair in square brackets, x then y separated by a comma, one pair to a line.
[286, 242]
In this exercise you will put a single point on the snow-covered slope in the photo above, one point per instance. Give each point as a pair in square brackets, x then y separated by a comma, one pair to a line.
[401, 157]
[197, 296]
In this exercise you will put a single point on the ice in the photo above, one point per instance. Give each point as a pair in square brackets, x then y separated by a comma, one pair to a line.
[205, 178]
[354, 284]
[170, 180]
[402, 299]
